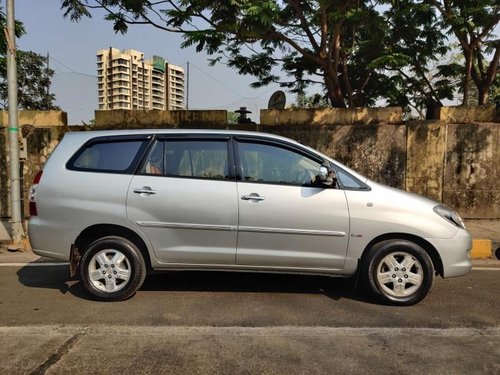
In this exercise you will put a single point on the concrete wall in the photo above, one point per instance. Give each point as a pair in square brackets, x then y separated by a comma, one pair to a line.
[465, 114]
[376, 151]
[472, 169]
[123, 119]
[456, 163]
[37, 118]
[39, 133]
[331, 116]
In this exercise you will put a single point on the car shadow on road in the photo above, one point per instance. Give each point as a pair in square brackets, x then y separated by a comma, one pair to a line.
[244, 282]
[190, 281]
[51, 277]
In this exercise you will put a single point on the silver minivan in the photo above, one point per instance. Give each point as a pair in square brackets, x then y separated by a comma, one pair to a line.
[118, 204]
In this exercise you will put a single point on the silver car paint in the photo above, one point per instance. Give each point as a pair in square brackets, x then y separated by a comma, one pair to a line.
[292, 227]
[187, 220]
[70, 201]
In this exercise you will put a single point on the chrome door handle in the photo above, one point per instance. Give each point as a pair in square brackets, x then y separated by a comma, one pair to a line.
[145, 190]
[252, 197]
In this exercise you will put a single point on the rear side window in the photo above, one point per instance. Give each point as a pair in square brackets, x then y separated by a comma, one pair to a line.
[188, 158]
[108, 156]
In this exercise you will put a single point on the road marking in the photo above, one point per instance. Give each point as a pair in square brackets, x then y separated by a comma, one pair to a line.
[47, 264]
[98, 330]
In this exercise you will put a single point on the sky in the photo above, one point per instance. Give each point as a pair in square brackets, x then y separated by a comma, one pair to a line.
[72, 51]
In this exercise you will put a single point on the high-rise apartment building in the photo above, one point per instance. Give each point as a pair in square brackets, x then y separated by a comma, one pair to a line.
[127, 81]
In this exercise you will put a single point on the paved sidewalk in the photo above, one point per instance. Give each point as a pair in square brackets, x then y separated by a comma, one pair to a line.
[484, 229]
[486, 235]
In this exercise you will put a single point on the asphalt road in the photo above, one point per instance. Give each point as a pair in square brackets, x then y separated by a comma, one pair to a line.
[237, 323]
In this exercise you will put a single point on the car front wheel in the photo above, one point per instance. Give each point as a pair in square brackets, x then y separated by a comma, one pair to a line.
[400, 272]
[112, 269]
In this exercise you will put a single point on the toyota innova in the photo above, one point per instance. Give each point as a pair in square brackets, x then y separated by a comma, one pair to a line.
[118, 204]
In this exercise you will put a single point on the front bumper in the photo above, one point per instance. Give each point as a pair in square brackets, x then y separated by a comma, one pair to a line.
[454, 253]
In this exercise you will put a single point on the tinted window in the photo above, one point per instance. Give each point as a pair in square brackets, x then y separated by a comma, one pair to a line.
[273, 164]
[179, 158]
[107, 156]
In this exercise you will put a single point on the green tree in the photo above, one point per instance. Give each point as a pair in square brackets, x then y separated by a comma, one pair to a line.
[232, 117]
[321, 41]
[310, 101]
[473, 23]
[360, 51]
[414, 49]
[33, 78]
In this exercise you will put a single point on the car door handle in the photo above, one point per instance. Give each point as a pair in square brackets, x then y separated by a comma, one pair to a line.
[145, 190]
[252, 197]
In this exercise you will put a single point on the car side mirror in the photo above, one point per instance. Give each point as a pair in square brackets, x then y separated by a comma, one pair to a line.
[326, 177]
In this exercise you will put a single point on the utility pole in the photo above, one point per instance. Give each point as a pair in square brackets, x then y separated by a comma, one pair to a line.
[15, 189]
[187, 87]
[47, 74]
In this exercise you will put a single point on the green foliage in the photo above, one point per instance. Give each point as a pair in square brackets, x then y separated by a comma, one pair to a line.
[232, 117]
[32, 76]
[360, 51]
[473, 24]
[19, 31]
[310, 101]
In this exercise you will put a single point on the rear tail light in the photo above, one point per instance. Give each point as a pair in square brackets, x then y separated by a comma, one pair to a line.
[32, 194]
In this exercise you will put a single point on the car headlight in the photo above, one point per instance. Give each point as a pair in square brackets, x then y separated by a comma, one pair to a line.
[449, 215]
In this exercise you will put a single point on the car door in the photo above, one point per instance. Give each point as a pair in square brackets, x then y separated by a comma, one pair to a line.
[285, 221]
[184, 199]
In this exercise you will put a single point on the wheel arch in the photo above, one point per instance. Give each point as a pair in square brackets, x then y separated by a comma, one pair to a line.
[94, 232]
[427, 246]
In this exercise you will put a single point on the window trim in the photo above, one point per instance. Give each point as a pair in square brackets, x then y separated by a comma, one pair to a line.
[363, 186]
[146, 141]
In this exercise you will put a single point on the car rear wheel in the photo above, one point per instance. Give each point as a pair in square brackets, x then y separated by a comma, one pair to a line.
[112, 269]
[400, 272]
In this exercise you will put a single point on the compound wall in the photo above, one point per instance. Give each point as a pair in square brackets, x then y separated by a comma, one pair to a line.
[457, 163]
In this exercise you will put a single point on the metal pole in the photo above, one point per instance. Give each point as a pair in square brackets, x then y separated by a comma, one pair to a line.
[187, 87]
[47, 74]
[17, 228]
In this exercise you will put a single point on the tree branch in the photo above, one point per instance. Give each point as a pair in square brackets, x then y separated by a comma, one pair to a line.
[304, 24]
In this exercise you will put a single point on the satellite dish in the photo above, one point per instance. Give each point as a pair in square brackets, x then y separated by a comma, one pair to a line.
[277, 100]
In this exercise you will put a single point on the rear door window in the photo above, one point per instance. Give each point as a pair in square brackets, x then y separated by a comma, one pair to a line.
[205, 159]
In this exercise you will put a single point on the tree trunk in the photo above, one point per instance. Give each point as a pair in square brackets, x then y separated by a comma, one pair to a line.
[483, 95]
[468, 69]
[334, 91]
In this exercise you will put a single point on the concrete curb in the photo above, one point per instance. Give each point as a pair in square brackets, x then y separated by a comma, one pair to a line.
[482, 248]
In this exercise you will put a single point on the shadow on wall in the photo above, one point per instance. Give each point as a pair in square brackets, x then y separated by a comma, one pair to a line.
[471, 140]
[376, 151]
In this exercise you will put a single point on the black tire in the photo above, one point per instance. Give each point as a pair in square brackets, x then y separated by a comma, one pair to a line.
[112, 269]
[388, 261]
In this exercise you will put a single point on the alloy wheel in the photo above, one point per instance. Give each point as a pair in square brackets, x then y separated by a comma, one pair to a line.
[400, 274]
[109, 270]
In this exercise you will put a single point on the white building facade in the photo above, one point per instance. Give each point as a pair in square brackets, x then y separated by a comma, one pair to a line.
[127, 81]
